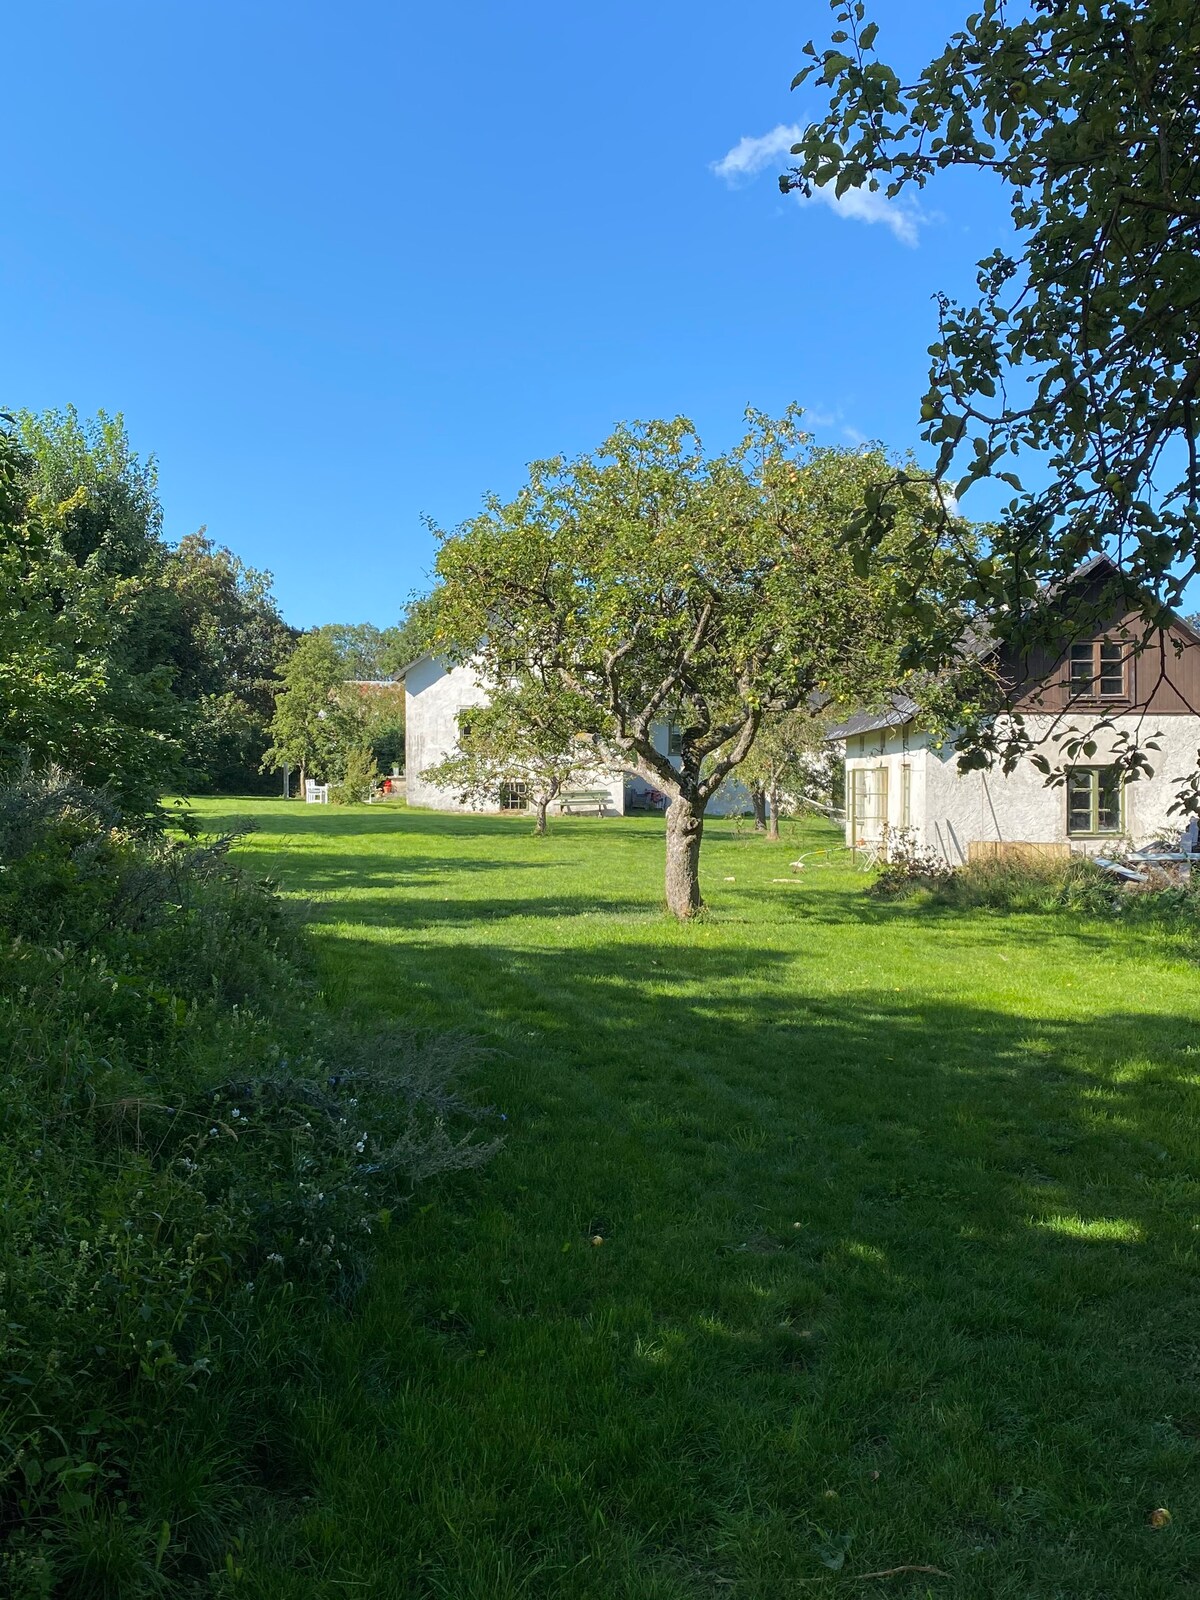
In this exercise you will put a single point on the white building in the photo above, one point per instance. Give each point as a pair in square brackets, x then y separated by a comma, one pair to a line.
[902, 782]
[437, 692]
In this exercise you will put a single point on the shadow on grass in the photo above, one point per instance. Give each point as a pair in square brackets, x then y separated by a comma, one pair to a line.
[729, 1030]
[927, 1240]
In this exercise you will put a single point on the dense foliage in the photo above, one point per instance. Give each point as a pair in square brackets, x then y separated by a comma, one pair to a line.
[130, 662]
[1082, 350]
[74, 685]
[194, 1154]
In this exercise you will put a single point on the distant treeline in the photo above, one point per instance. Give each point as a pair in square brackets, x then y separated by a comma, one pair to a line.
[133, 662]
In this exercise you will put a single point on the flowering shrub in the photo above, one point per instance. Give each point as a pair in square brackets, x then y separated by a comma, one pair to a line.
[193, 1151]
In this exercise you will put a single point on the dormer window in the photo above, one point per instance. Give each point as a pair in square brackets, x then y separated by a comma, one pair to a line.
[1097, 670]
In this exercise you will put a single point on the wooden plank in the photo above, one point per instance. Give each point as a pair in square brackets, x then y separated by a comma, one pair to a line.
[1017, 849]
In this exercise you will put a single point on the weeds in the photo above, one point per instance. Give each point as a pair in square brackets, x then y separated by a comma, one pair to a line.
[195, 1156]
[1036, 884]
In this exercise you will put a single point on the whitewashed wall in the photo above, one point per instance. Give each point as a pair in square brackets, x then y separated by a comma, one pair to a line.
[951, 810]
[434, 695]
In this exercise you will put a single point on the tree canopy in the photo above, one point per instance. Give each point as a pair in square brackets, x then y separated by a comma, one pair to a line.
[160, 659]
[72, 692]
[656, 582]
[316, 723]
[1082, 350]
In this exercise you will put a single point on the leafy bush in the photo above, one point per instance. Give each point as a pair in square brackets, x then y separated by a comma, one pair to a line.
[909, 867]
[360, 777]
[194, 1155]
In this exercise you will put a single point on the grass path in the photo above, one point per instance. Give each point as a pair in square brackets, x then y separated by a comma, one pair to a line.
[900, 1216]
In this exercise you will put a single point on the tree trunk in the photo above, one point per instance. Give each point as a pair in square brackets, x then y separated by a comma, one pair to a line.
[758, 800]
[303, 790]
[685, 828]
[539, 826]
[773, 829]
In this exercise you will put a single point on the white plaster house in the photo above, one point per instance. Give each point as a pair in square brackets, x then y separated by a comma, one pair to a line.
[436, 692]
[900, 781]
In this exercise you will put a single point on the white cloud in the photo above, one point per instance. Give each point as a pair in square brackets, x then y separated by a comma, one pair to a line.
[869, 205]
[751, 156]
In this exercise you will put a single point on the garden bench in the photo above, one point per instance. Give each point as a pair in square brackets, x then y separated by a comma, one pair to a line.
[597, 800]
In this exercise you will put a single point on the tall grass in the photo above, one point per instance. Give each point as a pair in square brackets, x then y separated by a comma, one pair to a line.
[1037, 883]
[195, 1154]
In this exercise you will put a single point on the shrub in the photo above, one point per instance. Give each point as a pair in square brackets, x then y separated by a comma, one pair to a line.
[909, 868]
[1033, 883]
[194, 1154]
[359, 780]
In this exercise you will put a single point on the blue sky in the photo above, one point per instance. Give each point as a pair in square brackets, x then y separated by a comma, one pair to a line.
[341, 267]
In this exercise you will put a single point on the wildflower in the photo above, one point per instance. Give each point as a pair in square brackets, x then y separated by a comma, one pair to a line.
[275, 1258]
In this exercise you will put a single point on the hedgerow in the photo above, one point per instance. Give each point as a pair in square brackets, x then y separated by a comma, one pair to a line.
[195, 1157]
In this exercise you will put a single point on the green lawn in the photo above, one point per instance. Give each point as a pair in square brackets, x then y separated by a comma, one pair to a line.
[899, 1210]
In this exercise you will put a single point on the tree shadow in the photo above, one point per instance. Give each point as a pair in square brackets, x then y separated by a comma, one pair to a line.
[861, 1233]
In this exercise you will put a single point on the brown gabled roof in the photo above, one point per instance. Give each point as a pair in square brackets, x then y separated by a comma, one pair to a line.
[978, 642]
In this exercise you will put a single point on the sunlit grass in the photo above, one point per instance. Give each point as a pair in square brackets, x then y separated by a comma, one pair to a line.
[898, 1210]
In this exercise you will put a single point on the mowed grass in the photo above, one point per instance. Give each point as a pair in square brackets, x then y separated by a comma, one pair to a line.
[899, 1210]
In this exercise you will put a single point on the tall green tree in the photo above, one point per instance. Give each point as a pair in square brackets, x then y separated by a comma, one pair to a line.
[1081, 354]
[363, 649]
[316, 723]
[71, 692]
[656, 582]
[101, 495]
[190, 633]
[221, 632]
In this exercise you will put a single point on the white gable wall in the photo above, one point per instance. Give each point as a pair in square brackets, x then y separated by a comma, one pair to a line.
[434, 695]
